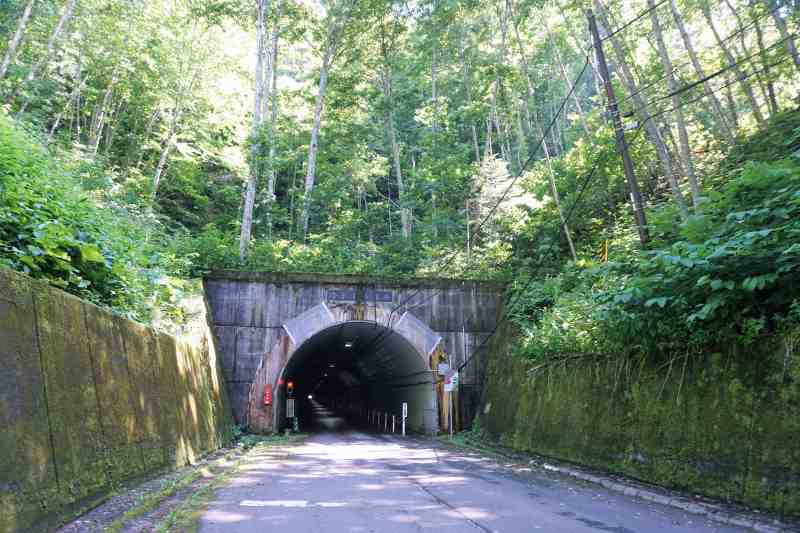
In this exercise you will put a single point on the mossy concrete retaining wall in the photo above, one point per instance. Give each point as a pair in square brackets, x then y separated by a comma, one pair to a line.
[89, 399]
[725, 425]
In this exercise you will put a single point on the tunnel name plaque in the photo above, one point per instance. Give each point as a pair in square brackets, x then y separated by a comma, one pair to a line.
[373, 295]
[352, 295]
[341, 295]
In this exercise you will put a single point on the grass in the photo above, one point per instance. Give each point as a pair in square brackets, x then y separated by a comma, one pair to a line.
[150, 501]
[186, 515]
[476, 440]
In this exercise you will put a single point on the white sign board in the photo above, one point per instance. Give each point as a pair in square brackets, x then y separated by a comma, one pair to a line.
[290, 408]
[451, 381]
[405, 410]
[444, 368]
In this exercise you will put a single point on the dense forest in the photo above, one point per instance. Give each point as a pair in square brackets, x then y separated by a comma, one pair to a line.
[144, 143]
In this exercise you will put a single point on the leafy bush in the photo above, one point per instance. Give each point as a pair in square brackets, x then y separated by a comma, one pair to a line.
[739, 270]
[93, 246]
[729, 274]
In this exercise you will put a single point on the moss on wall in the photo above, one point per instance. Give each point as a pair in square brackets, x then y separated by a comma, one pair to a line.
[89, 399]
[726, 425]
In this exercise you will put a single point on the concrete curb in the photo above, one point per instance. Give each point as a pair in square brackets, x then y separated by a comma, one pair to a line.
[715, 512]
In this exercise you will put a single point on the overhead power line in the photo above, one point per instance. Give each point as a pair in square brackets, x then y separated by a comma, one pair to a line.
[380, 338]
[685, 62]
[510, 186]
[635, 19]
[785, 58]
[519, 294]
[584, 185]
[713, 75]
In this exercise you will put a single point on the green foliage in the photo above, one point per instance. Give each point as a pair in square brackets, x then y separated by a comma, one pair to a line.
[89, 245]
[730, 274]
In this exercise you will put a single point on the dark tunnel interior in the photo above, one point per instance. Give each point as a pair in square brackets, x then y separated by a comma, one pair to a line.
[355, 368]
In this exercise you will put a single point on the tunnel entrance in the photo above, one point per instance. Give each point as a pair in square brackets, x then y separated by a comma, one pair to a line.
[351, 368]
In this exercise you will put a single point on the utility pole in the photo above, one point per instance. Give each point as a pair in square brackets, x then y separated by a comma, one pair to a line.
[622, 144]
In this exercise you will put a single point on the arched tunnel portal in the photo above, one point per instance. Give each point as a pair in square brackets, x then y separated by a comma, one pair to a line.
[356, 367]
[384, 337]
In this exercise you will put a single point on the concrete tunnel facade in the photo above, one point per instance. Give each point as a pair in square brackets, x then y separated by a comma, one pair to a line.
[356, 343]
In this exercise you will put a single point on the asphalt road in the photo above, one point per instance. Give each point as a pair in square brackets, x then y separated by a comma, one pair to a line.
[341, 480]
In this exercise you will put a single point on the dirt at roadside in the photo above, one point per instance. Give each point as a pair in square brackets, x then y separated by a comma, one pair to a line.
[150, 505]
[107, 515]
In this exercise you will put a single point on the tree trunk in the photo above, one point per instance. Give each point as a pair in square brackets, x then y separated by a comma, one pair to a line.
[99, 116]
[578, 44]
[165, 150]
[529, 83]
[556, 199]
[788, 39]
[765, 67]
[273, 118]
[767, 89]
[488, 149]
[252, 178]
[65, 16]
[725, 129]
[731, 101]
[468, 93]
[118, 109]
[564, 76]
[338, 16]
[405, 213]
[733, 64]
[77, 113]
[72, 98]
[683, 136]
[388, 94]
[151, 122]
[652, 129]
[312, 148]
[501, 59]
[16, 39]
[99, 119]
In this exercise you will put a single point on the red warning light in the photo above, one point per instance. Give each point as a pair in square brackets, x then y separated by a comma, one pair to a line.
[267, 395]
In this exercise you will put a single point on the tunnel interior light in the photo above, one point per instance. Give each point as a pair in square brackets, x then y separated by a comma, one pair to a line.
[348, 344]
[310, 396]
[332, 365]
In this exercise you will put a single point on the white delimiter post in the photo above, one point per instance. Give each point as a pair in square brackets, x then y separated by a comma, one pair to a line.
[405, 414]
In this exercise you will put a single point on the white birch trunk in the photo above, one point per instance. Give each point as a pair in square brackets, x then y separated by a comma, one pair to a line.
[311, 171]
[733, 64]
[66, 15]
[405, 214]
[672, 83]
[468, 94]
[169, 141]
[556, 198]
[273, 119]
[788, 39]
[725, 128]
[564, 76]
[651, 127]
[16, 39]
[252, 179]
